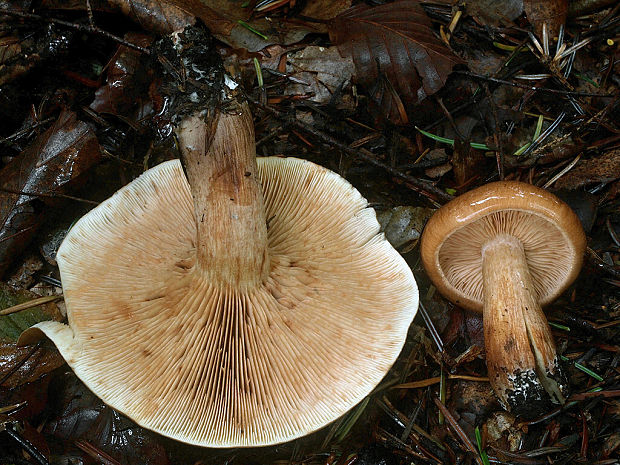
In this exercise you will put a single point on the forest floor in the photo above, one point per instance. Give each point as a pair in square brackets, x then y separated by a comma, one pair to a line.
[414, 103]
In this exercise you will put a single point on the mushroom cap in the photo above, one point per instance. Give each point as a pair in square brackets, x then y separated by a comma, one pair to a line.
[214, 366]
[551, 234]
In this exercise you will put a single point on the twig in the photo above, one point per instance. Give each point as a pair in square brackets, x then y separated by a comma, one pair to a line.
[431, 327]
[30, 304]
[458, 430]
[437, 379]
[566, 169]
[499, 153]
[24, 131]
[18, 365]
[53, 196]
[534, 88]
[423, 187]
[80, 27]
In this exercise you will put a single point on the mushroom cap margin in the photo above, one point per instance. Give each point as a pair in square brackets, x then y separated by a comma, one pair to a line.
[492, 198]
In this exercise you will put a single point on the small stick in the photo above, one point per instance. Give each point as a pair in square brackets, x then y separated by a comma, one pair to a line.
[30, 304]
[425, 188]
[566, 169]
[437, 379]
[18, 365]
[53, 196]
[89, 29]
[499, 153]
[534, 88]
[458, 430]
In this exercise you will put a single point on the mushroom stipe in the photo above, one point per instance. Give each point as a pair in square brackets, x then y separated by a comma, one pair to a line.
[505, 249]
[192, 316]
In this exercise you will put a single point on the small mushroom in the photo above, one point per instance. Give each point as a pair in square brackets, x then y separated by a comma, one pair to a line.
[252, 305]
[505, 249]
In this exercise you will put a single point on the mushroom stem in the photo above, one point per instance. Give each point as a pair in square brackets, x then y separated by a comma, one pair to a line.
[521, 355]
[220, 165]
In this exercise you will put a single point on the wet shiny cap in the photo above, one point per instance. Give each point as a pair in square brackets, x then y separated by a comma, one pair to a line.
[551, 234]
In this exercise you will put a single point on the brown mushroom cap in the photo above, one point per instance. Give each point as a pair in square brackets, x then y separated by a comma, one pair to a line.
[215, 366]
[551, 234]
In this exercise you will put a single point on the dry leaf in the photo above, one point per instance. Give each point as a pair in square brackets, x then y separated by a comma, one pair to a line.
[394, 45]
[318, 71]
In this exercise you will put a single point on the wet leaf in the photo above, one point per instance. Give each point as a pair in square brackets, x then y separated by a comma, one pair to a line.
[605, 168]
[45, 359]
[162, 17]
[403, 225]
[124, 87]
[49, 166]
[550, 12]
[466, 161]
[168, 16]
[503, 431]
[79, 414]
[275, 30]
[393, 45]
[319, 72]
[220, 16]
[495, 12]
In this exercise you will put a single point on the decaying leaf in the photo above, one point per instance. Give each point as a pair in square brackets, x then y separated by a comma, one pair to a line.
[47, 167]
[550, 12]
[78, 414]
[394, 44]
[403, 225]
[222, 17]
[122, 92]
[503, 431]
[605, 168]
[158, 16]
[494, 12]
[45, 359]
[275, 30]
[319, 72]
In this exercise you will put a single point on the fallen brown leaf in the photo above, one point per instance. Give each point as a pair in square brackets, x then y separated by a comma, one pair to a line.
[123, 90]
[79, 415]
[44, 169]
[318, 72]
[394, 44]
[20, 365]
[605, 168]
[494, 12]
[550, 12]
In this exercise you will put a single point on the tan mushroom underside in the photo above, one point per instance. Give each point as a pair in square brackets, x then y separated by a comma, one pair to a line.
[213, 367]
[551, 234]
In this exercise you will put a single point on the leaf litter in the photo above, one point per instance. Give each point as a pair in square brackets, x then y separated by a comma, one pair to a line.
[345, 87]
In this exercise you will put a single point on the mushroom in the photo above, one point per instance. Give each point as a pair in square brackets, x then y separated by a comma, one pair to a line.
[252, 305]
[506, 249]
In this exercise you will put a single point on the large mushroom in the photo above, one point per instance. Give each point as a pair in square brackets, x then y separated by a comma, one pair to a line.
[252, 305]
[506, 249]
